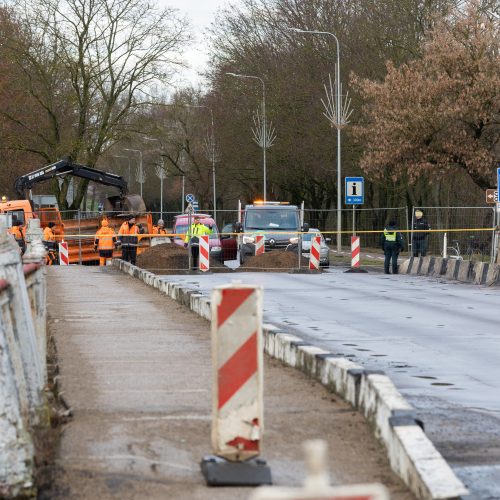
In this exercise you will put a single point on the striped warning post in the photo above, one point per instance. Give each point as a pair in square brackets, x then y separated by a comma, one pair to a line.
[315, 253]
[237, 406]
[204, 253]
[259, 244]
[63, 254]
[355, 251]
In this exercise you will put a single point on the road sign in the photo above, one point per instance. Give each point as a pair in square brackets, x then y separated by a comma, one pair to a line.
[190, 198]
[491, 196]
[354, 190]
[195, 205]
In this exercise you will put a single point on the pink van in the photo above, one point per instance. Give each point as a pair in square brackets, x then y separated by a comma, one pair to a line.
[181, 227]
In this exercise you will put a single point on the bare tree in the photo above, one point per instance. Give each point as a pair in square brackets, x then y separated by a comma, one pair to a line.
[87, 64]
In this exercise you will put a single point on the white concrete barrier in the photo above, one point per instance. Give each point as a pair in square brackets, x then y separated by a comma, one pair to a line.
[22, 365]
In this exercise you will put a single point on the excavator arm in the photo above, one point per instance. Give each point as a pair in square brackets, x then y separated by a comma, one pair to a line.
[67, 167]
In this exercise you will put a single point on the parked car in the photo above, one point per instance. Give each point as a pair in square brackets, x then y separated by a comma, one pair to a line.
[324, 251]
[229, 243]
[181, 226]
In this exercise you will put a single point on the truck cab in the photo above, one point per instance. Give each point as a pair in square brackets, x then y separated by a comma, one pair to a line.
[278, 222]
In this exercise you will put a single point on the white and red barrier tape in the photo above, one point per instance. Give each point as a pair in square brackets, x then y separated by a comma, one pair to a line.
[237, 405]
[259, 244]
[355, 251]
[314, 254]
[204, 256]
[63, 254]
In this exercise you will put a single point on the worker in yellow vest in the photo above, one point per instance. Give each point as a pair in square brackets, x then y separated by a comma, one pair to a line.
[392, 243]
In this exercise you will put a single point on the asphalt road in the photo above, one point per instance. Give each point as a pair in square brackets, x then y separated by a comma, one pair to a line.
[438, 341]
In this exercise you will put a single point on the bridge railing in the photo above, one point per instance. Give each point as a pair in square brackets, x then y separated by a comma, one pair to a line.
[22, 359]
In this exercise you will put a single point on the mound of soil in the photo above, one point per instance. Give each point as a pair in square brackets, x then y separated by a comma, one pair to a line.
[169, 258]
[275, 261]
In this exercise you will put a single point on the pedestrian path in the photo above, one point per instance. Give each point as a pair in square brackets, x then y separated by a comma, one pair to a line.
[135, 369]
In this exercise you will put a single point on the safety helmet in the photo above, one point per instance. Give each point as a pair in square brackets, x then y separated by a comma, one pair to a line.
[4, 199]
[419, 214]
[161, 222]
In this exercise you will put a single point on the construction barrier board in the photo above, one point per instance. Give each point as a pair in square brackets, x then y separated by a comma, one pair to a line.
[237, 364]
[204, 256]
[63, 254]
[314, 254]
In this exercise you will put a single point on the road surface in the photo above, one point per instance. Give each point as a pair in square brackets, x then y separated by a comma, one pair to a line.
[438, 341]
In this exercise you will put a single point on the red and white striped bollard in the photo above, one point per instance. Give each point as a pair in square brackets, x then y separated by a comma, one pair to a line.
[314, 254]
[260, 244]
[204, 256]
[63, 254]
[355, 251]
[237, 398]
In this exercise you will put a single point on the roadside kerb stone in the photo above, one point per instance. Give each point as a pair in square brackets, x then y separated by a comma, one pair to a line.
[405, 266]
[411, 454]
[451, 269]
[439, 267]
[415, 265]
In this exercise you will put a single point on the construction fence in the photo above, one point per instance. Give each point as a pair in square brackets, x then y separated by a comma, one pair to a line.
[456, 232]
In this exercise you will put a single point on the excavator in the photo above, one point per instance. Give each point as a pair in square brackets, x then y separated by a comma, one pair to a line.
[78, 230]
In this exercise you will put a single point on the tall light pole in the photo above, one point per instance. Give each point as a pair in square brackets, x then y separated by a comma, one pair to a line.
[264, 124]
[128, 158]
[160, 173]
[339, 120]
[140, 164]
[212, 149]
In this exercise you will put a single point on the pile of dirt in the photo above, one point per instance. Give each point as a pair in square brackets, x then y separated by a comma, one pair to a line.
[275, 261]
[169, 258]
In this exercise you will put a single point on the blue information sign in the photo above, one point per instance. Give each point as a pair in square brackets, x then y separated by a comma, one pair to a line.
[354, 190]
[498, 180]
[190, 198]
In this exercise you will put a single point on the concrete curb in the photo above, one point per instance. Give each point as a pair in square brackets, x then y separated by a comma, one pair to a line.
[465, 271]
[411, 454]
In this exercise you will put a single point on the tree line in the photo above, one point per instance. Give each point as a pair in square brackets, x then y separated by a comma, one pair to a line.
[90, 79]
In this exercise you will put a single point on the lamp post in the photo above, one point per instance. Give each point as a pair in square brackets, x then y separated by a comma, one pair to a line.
[339, 120]
[211, 149]
[264, 124]
[160, 173]
[122, 156]
[140, 165]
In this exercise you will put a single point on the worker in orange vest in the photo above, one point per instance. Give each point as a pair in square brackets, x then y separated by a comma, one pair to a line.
[17, 231]
[49, 242]
[128, 237]
[105, 240]
[160, 227]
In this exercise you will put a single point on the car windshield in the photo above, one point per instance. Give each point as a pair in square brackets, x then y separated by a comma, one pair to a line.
[309, 235]
[271, 219]
[182, 229]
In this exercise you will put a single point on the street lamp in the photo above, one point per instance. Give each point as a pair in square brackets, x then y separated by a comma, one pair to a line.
[160, 173]
[128, 158]
[264, 124]
[141, 170]
[339, 120]
[212, 148]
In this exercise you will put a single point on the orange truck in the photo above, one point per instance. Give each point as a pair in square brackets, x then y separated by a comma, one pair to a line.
[78, 230]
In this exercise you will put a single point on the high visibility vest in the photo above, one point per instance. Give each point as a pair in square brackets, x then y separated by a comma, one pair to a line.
[105, 238]
[48, 234]
[158, 230]
[16, 232]
[197, 230]
[390, 236]
[128, 234]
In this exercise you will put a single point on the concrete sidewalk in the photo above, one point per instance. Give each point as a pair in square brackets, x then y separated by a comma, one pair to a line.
[135, 368]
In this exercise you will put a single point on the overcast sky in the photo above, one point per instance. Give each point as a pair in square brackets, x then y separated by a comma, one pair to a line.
[200, 13]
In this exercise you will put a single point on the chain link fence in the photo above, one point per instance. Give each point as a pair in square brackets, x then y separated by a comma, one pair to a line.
[460, 232]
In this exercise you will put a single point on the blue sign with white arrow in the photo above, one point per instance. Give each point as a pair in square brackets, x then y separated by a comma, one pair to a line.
[354, 190]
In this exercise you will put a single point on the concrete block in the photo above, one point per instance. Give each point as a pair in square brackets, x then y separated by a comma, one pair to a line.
[415, 265]
[439, 267]
[493, 275]
[451, 269]
[464, 271]
[479, 272]
[426, 266]
[405, 266]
